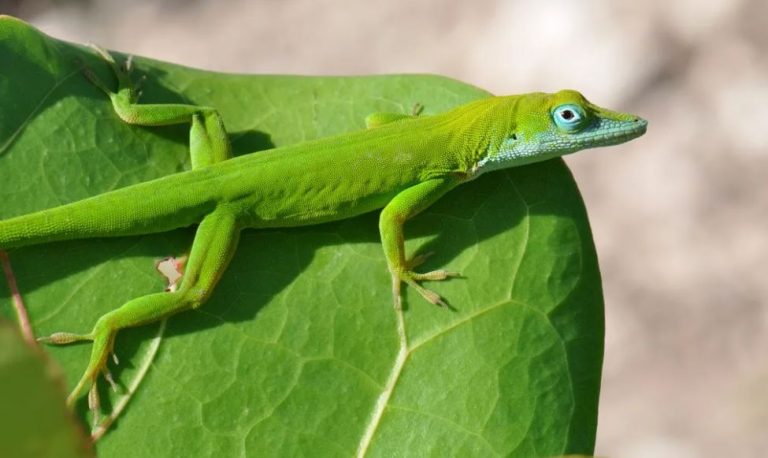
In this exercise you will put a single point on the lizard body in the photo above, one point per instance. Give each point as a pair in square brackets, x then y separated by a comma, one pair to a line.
[402, 164]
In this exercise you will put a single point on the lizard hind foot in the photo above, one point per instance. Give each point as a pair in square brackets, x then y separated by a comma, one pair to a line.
[103, 338]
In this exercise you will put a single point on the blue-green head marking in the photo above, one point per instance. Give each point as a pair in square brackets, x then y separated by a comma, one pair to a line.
[544, 126]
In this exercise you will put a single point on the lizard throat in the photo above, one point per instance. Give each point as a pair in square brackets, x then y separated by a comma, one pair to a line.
[517, 150]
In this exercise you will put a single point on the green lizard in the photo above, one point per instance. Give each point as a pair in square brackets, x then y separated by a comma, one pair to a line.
[401, 164]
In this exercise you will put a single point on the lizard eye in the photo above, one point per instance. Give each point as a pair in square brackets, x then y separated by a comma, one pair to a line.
[569, 117]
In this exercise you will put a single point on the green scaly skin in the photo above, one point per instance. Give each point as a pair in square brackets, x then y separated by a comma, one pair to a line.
[401, 164]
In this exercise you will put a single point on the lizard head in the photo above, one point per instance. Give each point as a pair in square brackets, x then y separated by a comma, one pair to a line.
[551, 125]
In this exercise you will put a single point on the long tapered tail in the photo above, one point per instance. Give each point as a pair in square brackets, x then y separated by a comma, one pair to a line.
[155, 206]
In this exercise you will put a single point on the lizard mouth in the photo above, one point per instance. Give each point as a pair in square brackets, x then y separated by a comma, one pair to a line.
[606, 132]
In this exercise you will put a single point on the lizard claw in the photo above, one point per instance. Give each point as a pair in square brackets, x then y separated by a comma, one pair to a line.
[94, 403]
[95, 80]
[102, 52]
[417, 260]
[435, 275]
[63, 338]
[108, 377]
[128, 64]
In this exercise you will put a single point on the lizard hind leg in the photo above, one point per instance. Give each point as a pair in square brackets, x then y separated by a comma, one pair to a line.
[212, 249]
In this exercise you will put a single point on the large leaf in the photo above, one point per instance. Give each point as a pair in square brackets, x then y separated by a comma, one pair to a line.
[299, 352]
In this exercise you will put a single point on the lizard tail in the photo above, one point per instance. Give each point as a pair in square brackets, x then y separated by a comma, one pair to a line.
[128, 211]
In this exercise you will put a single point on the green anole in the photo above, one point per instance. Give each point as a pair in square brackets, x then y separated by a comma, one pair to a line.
[401, 164]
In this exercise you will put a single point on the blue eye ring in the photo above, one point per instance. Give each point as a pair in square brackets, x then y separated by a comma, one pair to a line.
[569, 117]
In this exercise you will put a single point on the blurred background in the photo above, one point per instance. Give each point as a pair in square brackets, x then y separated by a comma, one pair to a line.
[680, 216]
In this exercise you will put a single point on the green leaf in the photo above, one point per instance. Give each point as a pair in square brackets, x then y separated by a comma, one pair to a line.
[299, 350]
[34, 420]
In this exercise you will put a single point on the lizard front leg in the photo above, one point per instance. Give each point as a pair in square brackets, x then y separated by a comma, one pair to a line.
[208, 140]
[403, 206]
[377, 119]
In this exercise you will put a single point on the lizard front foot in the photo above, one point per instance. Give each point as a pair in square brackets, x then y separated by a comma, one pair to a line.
[412, 279]
[126, 97]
